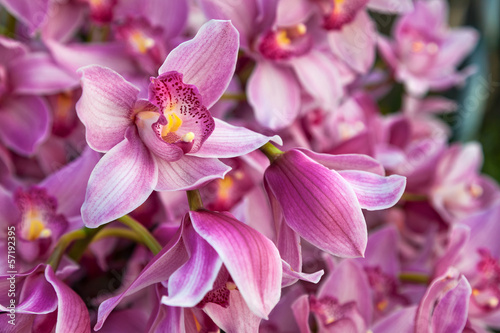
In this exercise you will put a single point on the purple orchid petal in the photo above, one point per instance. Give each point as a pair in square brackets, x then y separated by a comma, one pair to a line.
[457, 46]
[320, 78]
[237, 317]
[37, 74]
[450, 314]
[318, 204]
[159, 269]
[348, 282]
[188, 173]
[274, 94]
[355, 43]
[169, 319]
[112, 55]
[346, 162]
[382, 251]
[11, 49]
[69, 184]
[292, 275]
[391, 6]
[105, 107]
[252, 260]
[301, 310]
[293, 12]
[288, 244]
[387, 50]
[31, 12]
[189, 284]
[459, 236]
[24, 123]
[242, 15]
[126, 321]
[375, 192]
[400, 321]
[72, 313]
[135, 175]
[37, 296]
[231, 141]
[171, 16]
[65, 20]
[23, 323]
[208, 60]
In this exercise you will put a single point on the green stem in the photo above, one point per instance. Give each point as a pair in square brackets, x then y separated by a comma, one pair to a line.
[194, 200]
[234, 97]
[120, 233]
[411, 277]
[413, 197]
[77, 250]
[142, 232]
[271, 151]
[63, 244]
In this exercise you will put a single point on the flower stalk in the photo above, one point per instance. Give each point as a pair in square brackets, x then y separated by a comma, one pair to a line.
[271, 151]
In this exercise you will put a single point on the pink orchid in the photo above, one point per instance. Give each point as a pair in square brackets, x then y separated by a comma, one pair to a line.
[426, 51]
[170, 142]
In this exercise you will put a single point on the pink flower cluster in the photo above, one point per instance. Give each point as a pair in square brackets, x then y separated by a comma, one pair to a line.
[197, 166]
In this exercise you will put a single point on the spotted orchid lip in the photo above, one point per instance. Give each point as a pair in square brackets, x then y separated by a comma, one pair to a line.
[184, 120]
[286, 43]
[341, 12]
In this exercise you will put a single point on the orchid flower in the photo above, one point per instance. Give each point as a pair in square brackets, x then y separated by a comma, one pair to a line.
[169, 142]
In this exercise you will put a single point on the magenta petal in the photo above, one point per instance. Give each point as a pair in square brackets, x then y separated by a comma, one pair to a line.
[189, 284]
[355, 43]
[11, 49]
[105, 107]
[159, 269]
[188, 173]
[38, 74]
[346, 283]
[237, 317]
[208, 60]
[301, 310]
[31, 12]
[291, 274]
[318, 204]
[24, 123]
[274, 94]
[346, 162]
[72, 313]
[382, 251]
[121, 181]
[252, 260]
[231, 141]
[375, 192]
[399, 321]
[319, 77]
[450, 314]
[69, 184]
[36, 295]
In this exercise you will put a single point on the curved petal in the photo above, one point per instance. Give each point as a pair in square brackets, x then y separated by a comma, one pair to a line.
[159, 269]
[72, 313]
[31, 12]
[399, 321]
[170, 15]
[68, 185]
[293, 275]
[38, 74]
[320, 78]
[121, 181]
[208, 60]
[189, 284]
[252, 260]
[346, 162]
[274, 94]
[188, 173]
[355, 43]
[237, 317]
[105, 107]
[450, 314]
[318, 204]
[24, 123]
[231, 141]
[375, 192]
[11, 49]
[301, 310]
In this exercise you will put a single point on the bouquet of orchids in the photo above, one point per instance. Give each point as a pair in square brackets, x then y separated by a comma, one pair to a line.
[224, 166]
